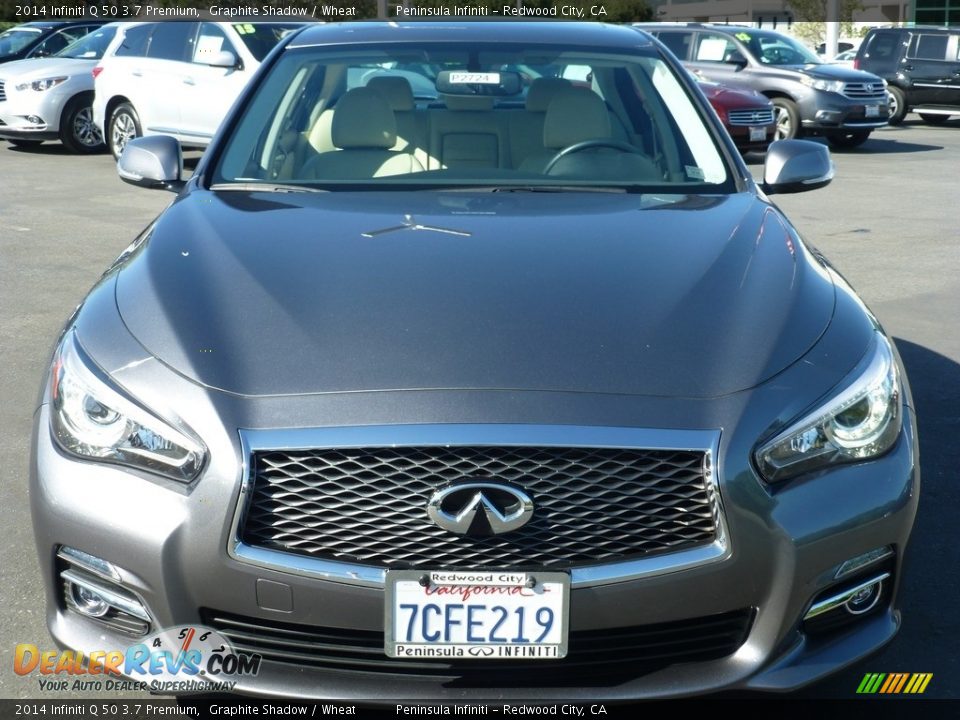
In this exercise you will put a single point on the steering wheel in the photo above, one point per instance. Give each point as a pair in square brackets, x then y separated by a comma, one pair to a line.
[587, 144]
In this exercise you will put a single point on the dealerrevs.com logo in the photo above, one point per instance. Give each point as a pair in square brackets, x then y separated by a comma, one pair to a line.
[182, 659]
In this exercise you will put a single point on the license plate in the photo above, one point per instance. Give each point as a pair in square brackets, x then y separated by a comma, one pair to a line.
[872, 110]
[757, 134]
[481, 615]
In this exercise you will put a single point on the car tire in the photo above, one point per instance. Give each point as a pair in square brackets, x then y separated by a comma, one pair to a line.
[934, 119]
[123, 127]
[25, 143]
[850, 139]
[787, 118]
[897, 104]
[77, 131]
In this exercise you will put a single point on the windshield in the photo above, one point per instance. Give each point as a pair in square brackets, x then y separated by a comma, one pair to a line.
[469, 115]
[771, 48]
[91, 46]
[261, 38]
[15, 39]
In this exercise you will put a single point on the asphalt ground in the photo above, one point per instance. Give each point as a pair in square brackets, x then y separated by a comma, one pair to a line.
[890, 222]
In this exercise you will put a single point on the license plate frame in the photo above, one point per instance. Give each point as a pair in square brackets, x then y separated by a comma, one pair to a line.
[403, 585]
[758, 134]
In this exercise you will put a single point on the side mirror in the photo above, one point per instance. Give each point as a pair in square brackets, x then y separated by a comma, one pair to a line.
[735, 57]
[794, 166]
[223, 58]
[152, 162]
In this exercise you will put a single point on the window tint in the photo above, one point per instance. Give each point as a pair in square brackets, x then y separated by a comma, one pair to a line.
[930, 47]
[172, 41]
[210, 41]
[58, 41]
[713, 48]
[884, 46]
[134, 41]
[679, 43]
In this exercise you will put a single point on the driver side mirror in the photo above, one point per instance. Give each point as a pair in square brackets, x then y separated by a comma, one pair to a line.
[735, 57]
[223, 59]
[152, 162]
[794, 166]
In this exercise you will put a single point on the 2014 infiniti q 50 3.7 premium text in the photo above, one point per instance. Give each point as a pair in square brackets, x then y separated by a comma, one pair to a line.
[522, 389]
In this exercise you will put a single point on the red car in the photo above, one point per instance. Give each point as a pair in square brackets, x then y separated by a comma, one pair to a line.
[747, 115]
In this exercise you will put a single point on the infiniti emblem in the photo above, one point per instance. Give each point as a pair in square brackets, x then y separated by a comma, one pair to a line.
[480, 509]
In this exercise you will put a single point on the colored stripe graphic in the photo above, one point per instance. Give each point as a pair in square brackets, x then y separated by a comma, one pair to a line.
[894, 683]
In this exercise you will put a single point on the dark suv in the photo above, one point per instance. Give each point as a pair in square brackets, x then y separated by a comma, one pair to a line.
[809, 96]
[921, 66]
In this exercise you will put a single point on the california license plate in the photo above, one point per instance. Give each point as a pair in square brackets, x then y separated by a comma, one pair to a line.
[758, 134]
[871, 110]
[482, 615]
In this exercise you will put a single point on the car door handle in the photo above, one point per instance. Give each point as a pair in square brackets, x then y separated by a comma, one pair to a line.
[189, 81]
[137, 73]
[908, 67]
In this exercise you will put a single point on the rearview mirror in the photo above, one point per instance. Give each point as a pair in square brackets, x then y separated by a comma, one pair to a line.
[462, 82]
[794, 166]
[152, 162]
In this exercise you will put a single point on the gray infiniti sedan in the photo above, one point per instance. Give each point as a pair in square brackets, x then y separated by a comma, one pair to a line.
[520, 388]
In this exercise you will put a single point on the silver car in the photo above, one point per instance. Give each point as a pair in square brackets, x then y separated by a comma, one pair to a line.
[52, 98]
[523, 390]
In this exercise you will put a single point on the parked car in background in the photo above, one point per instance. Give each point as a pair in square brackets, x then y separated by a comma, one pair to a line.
[845, 59]
[921, 66]
[809, 96]
[478, 398]
[52, 98]
[842, 46]
[41, 39]
[746, 114]
[177, 78]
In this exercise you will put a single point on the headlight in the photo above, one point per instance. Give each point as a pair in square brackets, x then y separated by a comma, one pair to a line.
[825, 85]
[41, 85]
[95, 419]
[862, 421]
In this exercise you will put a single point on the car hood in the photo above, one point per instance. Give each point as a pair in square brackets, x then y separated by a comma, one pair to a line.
[47, 67]
[732, 98]
[272, 294]
[828, 72]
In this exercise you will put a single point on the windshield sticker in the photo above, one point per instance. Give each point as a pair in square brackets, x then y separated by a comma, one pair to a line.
[474, 78]
[693, 172]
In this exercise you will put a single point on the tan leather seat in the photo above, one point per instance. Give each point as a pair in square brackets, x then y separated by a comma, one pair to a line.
[468, 134]
[526, 127]
[364, 129]
[412, 128]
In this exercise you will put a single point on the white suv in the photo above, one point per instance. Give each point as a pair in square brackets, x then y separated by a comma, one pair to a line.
[177, 78]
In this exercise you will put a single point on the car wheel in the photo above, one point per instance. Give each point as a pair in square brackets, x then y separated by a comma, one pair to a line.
[25, 143]
[124, 126]
[896, 104]
[851, 139]
[934, 119]
[77, 131]
[787, 117]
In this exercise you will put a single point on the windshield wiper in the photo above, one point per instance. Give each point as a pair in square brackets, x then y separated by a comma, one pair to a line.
[546, 188]
[266, 187]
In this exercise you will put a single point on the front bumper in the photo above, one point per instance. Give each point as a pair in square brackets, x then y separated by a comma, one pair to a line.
[31, 115]
[825, 111]
[171, 545]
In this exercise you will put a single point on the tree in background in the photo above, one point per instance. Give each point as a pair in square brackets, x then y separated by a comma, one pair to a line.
[811, 29]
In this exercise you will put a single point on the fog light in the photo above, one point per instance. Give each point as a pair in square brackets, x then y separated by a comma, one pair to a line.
[865, 599]
[34, 119]
[89, 602]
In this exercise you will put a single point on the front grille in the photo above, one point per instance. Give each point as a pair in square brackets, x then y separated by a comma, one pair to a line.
[368, 505]
[865, 91]
[3, 91]
[608, 653]
[750, 117]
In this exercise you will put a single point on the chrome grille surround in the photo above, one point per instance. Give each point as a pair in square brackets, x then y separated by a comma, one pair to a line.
[872, 91]
[762, 116]
[711, 549]
[3, 91]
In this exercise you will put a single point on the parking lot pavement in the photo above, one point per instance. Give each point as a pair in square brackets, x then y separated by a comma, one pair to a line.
[888, 223]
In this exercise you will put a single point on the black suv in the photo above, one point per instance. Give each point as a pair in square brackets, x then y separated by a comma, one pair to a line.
[921, 66]
[808, 95]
